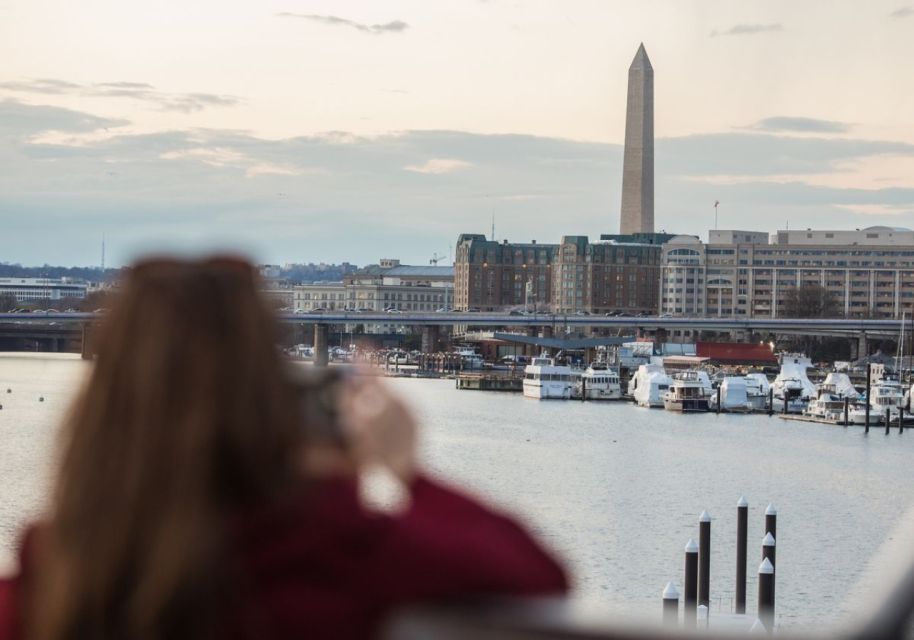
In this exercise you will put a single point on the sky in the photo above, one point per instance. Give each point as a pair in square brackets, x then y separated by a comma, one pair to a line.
[344, 130]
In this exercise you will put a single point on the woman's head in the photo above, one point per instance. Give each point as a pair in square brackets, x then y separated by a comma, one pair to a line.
[186, 416]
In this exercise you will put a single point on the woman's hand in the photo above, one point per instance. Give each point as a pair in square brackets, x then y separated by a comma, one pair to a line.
[378, 427]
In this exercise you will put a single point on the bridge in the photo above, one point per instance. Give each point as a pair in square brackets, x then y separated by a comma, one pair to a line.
[59, 325]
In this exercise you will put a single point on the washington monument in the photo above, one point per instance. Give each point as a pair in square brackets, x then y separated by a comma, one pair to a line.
[638, 163]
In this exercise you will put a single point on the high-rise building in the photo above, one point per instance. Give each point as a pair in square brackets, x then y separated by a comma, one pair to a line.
[638, 162]
[868, 273]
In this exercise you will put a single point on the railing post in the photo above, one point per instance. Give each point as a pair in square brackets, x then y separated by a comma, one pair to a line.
[742, 533]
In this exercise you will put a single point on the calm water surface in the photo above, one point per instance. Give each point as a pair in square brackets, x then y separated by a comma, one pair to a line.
[615, 489]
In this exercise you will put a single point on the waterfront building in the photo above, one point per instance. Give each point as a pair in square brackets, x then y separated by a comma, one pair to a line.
[637, 214]
[867, 272]
[38, 290]
[617, 273]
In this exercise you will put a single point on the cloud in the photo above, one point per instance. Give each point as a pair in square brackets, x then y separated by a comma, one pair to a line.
[403, 192]
[437, 166]
[140, 91]
[902, 12]
[747, 29]
[802, 125]
[395, 26]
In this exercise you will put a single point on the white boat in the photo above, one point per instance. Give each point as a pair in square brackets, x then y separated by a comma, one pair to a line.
[841, 385]
[791, 386]
[544, 379]
[886, 395]
[827, 405]
[733, 393]
[687, 392]
[648, 385]
[757, 387]
[599, 382]
[469, 359]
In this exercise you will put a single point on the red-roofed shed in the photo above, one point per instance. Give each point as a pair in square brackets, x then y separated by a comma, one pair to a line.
[736, 353]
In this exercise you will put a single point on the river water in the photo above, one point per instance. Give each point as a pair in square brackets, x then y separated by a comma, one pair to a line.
[615, 489]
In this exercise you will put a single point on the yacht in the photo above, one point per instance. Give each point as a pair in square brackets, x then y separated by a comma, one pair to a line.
[469, 359]
[687, 393]
[757, 387]
[827, 405]
[886, 395]
[791, 386]
[733, 394]
[599, 382]
[648, 385]
[545, 379]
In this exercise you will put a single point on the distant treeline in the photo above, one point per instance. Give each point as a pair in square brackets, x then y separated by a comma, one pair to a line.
[291, 273]
[89, 274]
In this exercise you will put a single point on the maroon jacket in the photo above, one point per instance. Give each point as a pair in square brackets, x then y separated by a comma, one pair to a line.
[324, 567]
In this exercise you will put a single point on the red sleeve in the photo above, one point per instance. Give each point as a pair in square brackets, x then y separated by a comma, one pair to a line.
[448, 544]
[8, 613]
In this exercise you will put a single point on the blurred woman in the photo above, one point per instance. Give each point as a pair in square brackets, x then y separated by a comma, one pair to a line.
[191, 502]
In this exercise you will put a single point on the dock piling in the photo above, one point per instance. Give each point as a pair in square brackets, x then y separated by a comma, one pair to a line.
[901, 419]
[888, 415]
[670, 605]
[768, 553]
[766, 595]
[847, 402]
[869, 372]
[771, 520]
[742, 526]
[770, 402]
[704, 559]
[718, 398]
[690, 596]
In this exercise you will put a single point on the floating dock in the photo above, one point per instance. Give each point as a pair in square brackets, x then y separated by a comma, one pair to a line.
[489, 382]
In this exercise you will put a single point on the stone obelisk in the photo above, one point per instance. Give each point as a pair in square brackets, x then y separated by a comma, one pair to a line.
[638, 163]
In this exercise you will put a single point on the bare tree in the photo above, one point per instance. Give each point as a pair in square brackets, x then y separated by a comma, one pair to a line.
[810, 301]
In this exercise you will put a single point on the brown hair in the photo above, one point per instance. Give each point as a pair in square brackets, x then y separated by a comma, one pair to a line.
[186, 417]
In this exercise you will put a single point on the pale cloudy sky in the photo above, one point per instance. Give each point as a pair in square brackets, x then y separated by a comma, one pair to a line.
[305, 130]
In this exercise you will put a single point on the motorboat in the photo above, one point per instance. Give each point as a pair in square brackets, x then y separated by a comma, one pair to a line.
[648, 385]
[598, 382]
[687, 393]
[757, 387]
[827, 405]
[545, 379]
[840, 384]
[469, 359]
[733, 395]
[792, 388]
[886, 395]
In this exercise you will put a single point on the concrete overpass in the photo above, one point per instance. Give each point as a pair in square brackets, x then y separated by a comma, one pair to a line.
[40, 324]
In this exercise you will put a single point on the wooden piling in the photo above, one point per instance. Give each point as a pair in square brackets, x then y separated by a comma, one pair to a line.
[847, 402]
[704, 559]
[670, 605]
[718, 397]
[690, 595]
[766, 595]
[901, 415]
[869, 372]
[742, 532]
[888, 415]
[771, 520]
[768, 553]
[770, 401]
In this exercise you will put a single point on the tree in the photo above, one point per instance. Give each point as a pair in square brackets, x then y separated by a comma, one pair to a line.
[810, 301]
